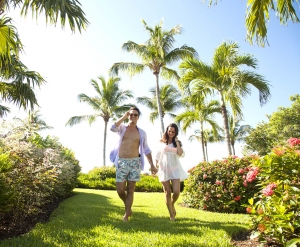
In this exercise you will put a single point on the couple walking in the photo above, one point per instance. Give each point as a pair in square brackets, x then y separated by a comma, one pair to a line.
[128, 157]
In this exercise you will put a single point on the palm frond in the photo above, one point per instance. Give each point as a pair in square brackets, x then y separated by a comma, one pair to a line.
[78, 119]
[130, 68]
[65, 10]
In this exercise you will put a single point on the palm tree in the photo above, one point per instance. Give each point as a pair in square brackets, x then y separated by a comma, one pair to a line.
[156, 54]
[16, 81]
[237, 132]
[225, 78]
[63, 10]
[209, 136]
[202, 113]
[170, 99]
[258, 14]
[32, 124]
[106, 104]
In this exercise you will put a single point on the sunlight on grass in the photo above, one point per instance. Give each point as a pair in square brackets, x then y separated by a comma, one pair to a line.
[93, 218]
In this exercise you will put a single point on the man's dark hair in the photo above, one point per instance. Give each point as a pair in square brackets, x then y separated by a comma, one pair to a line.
[135, 108]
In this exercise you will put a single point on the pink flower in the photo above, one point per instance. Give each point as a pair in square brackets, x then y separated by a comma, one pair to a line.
[237, 198]
[204, 176]
[245, 183]
[251, 175]
[218, 182]
[293, 141]
[249, 210]
[241, 171]
[272, 186]
[267, 191]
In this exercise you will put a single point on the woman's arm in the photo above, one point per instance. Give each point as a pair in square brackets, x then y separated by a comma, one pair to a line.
[179, 149]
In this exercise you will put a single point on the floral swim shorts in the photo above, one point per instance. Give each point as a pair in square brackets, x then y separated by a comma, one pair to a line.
[128, 169]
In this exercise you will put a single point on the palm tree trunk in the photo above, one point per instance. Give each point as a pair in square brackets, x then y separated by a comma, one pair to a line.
[225, 122]
[233, 150]
[159, 104]
[104, 142]
[202, 141]
[206, 152]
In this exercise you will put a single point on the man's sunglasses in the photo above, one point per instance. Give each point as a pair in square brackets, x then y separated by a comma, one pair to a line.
[133, 115]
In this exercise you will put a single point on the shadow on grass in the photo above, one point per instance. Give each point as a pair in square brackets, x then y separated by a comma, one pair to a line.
[77, 217]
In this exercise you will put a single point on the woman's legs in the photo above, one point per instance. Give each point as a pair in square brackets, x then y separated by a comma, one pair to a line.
[167, 190]
[176, 193]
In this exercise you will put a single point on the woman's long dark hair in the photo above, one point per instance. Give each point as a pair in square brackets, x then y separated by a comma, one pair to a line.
[165, 136]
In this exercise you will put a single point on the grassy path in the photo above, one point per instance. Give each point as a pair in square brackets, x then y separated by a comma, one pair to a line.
[92, 218]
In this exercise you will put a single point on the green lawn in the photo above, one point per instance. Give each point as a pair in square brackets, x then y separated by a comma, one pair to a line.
[93, 218]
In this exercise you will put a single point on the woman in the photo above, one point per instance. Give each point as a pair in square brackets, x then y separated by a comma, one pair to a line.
[169, 167]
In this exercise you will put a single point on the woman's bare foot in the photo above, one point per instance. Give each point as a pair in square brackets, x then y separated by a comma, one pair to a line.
[126, 216]
[174, 211]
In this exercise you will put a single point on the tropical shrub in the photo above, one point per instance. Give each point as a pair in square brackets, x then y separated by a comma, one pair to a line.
[275, 210]
[148, 183]
[6, 193]
[103, 178]
[222, 185]
[37, 175]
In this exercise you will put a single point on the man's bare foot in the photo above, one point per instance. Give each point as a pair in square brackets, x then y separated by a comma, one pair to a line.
[172, 218]
[125, 219]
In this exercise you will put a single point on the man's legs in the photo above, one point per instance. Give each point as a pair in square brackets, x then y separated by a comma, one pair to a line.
[126, 194]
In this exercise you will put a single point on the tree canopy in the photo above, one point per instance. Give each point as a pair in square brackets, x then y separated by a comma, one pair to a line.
[282, 125]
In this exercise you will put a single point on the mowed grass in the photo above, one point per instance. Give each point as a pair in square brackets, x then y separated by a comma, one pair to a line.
[94, 218]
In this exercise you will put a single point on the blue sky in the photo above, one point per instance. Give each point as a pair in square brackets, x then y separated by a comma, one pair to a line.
[69, 61]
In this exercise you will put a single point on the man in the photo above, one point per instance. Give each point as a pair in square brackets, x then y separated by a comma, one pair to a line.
[128, 157]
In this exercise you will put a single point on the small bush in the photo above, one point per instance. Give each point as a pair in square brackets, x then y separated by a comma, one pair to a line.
[221, 186]
[148, 183]
[103, 178]
[275, 210]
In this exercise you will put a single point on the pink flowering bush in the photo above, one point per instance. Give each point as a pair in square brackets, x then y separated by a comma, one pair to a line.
[275, 210]
[222, 185]
[294, 141]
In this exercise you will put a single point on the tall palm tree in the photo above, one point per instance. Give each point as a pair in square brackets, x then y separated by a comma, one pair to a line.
[209, 136]
[238, 132]
[156, 54]
[170, 99]
[201, 113]
[226, 78]
[106, 104]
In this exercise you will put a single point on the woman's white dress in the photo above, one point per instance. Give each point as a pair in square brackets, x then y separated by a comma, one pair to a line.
[169, 164]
